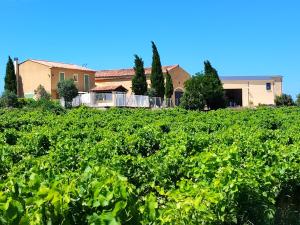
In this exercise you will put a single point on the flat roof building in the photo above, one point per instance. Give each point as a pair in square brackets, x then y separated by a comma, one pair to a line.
[251, 90]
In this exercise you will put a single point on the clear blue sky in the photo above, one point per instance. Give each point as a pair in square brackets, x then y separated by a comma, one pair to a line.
[239, 37]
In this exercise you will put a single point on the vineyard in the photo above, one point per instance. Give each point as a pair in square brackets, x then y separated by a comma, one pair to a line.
[124, 166]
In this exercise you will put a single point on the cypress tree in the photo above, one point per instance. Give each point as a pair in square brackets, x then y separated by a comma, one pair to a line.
[213, 88]
[10, 80]
[169, 86]
[157, 77]
[139, 82]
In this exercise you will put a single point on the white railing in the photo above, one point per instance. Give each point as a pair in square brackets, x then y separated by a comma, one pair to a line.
[119, 100]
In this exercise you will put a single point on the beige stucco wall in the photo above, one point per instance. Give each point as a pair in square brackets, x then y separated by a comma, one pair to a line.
[125, 82]
[69, 74]
[178, 75]
[31, 75]
[254, 91]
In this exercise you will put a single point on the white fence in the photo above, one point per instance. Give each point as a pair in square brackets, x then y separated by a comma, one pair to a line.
[119, 100]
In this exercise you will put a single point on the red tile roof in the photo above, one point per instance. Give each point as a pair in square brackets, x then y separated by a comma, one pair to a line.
[60, 65]
[109, 88]
[127, 72]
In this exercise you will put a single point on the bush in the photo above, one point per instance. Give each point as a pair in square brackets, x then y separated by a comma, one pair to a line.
[67, 90]
[43, 104]
[298, 100]
[193, 96]
[284, 100]
[9, 99]
[41, 93]
[48, 105]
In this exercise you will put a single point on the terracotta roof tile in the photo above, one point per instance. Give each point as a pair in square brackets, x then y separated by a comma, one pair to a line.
[61, 65]
[127, 72]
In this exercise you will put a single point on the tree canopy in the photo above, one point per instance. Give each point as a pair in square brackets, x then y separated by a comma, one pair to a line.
[212, 88]
[169, 86]
[284, 100]
[193, 97]
[139, 81]
[67, 90]
[10, 80]
[157, 77]
[204, 89]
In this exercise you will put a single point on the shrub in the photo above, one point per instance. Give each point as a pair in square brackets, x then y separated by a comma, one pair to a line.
[298, 100]
[284, 100]
[41, 93]
[193, 96]
[42, 104]
[9, 99]
[67, 90]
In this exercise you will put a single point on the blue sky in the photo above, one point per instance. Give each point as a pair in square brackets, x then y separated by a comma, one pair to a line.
[239, 37]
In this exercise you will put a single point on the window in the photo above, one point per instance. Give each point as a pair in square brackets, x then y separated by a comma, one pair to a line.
[75, 77]
[104, 97]
[268, 86]
[61, 76]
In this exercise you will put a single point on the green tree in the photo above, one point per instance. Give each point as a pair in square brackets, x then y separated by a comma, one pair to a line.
[10, 80]
[9, 99]
[157, 77]
[298, 100]
[193, 97]
[67, 90]
[213, 89]
[139, 82]
[41, 93]
[284, 100]
[169, 86]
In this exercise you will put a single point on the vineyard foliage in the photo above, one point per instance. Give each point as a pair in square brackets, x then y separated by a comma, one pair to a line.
[124, 166]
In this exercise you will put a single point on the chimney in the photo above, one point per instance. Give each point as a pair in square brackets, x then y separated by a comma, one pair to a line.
[16, 65]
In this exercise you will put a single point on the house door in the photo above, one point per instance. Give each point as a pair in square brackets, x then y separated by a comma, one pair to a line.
[86, 83]
[178, 95]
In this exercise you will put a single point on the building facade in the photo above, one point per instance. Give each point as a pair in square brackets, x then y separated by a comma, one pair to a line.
[250, 91]
[32, 73]
[244, 91]
[124, 76]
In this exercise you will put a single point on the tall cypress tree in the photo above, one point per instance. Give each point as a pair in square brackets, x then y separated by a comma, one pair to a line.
[10, 80]
[213, 88]
[157, 77]
[139, 82]
[169, 86]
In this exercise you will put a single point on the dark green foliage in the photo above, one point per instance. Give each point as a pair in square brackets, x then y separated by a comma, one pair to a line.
[10, 80]
[288, 205]
[10, 137]
[193, 97]
[298, 100]
[169, 86]
[284, 100]
[42, 104]
[151, 92]
[9, 99]
[157, 77]
[67, 90]
[212, 88]
[204, 89]
[41, 93]
[43, 145]
[139, 82]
